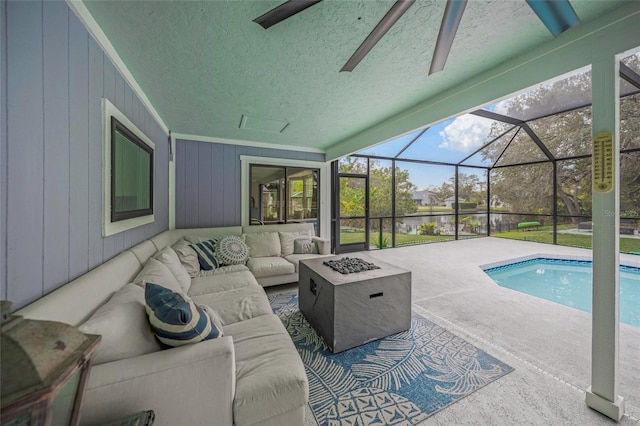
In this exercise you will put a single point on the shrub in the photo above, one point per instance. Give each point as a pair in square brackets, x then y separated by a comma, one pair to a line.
[427, 228]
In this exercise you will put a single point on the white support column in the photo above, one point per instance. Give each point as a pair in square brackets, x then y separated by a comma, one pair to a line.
[602, 395]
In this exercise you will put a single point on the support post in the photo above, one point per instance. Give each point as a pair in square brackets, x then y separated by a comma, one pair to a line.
[602, 395]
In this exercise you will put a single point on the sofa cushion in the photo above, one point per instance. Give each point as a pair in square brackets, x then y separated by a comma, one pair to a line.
[238, 304]
[124, 326]
[287, 239]
[168, 257]
[232, 250]
[176, 319]
[270, 377]
[269, 266]
[156, 272]
[226, 269]
[296, 258]
[206, 251]
[188, 257]
[263, 244]
[221, 282]
[304, 246]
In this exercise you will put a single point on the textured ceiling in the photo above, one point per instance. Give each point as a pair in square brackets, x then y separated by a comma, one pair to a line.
[205, 64]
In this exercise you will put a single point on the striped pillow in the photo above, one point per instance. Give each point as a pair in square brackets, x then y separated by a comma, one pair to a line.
[176, 320]
[206, 251]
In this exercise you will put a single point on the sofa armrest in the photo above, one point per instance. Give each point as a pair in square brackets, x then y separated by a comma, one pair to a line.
[323, 244]
[191, 384]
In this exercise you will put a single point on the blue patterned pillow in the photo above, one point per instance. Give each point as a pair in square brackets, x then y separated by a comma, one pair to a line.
[175, 319]
[206, 252]
[232, 250]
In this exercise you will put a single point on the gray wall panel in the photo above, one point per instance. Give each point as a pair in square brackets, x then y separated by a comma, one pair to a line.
[96, 88]
[79, 149]
[222, 175]
[230, 186]
[191, 187]
[3, 151]
[53, 78]
[205, 183]
[25, 158]
[217, 167]
[180, 190]
[56, 145]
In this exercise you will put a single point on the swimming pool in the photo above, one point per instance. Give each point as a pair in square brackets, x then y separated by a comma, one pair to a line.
[568, 282]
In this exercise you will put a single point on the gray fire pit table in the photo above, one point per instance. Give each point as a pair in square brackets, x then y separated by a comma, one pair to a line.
[349, 310]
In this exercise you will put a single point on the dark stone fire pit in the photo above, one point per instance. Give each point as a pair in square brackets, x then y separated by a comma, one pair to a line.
[350, 265]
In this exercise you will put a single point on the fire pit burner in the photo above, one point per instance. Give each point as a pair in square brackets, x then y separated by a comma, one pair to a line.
[349, 265]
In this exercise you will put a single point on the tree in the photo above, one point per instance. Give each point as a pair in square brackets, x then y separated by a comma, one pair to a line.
[380, 189]
[470, 188]
[529, 188]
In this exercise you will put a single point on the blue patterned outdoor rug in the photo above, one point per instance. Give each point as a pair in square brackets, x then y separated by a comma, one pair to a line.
[399, 380]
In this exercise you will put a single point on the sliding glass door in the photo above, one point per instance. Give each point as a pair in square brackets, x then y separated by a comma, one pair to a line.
[351, 227]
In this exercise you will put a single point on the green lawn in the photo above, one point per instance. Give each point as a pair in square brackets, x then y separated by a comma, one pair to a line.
[401, 239]
[542, 235]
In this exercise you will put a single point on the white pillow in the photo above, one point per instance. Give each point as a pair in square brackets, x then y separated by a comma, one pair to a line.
[156, 272]
[188, 256]
[287, 239]
[232, 250]
[304, 246]
[263, 244]
[168, 257]
[124, 326]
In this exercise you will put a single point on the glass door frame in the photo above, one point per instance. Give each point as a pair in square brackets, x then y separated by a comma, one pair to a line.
[337, 218]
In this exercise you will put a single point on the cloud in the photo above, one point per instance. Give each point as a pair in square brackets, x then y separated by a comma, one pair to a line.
[502, 107]
[465, 133]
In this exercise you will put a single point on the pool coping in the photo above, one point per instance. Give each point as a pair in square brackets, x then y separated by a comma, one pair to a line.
[625, 262]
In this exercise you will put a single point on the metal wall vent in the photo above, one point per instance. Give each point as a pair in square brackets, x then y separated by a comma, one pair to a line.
[263, 124]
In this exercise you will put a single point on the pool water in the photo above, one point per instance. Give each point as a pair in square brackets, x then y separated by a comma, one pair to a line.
[568, 282]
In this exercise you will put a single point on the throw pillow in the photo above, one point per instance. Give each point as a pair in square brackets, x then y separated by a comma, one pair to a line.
[155, 271]
[304, 246]
[263, 244]
[124, 326]
[287, 239]
[176, 319]
[169, 258]
[206, 252]
[188, 257]
[232, 250]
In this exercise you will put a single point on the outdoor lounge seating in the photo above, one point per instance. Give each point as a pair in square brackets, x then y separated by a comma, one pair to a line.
[252, 375]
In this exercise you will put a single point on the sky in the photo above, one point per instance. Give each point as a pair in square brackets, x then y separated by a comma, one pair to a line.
[447, 142]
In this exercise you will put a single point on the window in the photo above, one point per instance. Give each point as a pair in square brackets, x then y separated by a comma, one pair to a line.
[128, 173]
[283, 194]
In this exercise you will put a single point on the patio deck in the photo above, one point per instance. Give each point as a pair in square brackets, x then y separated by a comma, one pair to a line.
[548, 344]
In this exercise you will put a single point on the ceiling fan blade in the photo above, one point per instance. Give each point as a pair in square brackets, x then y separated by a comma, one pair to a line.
[392, 16]
[557, 15]
[448, 28]
[284, 11]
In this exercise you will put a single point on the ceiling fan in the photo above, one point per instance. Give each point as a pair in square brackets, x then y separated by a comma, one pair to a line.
[557, 16]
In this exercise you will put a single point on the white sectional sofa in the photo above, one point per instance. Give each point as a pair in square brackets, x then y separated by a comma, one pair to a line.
[252, 375]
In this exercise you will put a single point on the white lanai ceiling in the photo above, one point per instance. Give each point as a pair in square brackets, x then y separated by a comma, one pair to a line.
[209, 70]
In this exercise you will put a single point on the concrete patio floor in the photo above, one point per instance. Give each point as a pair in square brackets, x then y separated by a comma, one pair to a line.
[549, 345]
